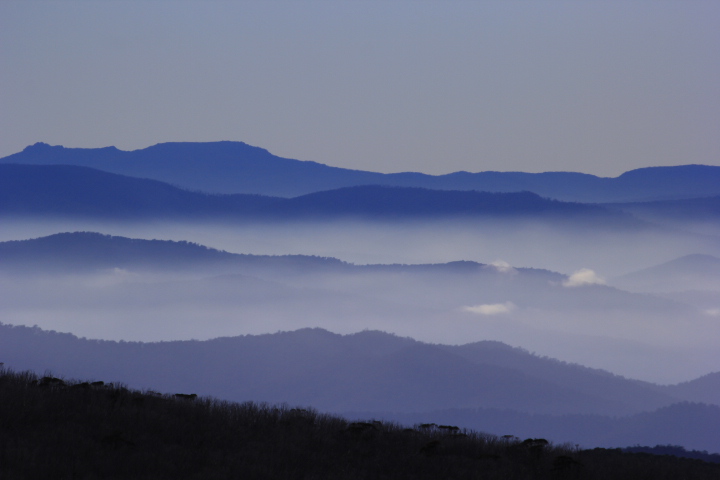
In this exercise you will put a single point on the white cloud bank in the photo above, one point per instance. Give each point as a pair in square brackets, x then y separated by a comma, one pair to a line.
[584, 276]
[502, 266]
[491, 309]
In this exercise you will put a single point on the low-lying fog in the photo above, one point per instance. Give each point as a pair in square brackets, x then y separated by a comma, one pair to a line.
[577, 319]
[561, 248]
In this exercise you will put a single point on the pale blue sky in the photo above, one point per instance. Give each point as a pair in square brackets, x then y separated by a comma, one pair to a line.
[597, 86]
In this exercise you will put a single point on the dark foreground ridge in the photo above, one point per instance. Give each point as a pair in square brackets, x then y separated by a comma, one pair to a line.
[53, 428]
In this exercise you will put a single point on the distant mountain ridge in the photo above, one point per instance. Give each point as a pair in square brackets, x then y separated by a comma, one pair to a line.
[700, 209]
[73, 191]
[87, 251]
[235, 167]
[375, 372]
[66, 190]
[704, 389]
[695, 271]
[369, 370]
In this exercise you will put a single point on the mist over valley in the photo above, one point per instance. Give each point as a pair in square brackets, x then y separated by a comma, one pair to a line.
[105, 287]
[124, 262]
[350, 240]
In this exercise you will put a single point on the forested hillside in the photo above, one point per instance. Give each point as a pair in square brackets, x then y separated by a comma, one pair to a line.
[56, 428]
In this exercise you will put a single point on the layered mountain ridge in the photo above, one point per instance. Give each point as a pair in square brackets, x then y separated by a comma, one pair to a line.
[418, 255]
[235, 167]
[378, 373]
[57, 191]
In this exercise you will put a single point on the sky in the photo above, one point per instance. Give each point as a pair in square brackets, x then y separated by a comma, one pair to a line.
[596, 86]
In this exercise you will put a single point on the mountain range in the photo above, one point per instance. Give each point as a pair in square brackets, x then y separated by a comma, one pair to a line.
[449, 284]
[235, 167]
[89, 252]
[60, 191]
[659, 321]
[376, 373]
[114, 287]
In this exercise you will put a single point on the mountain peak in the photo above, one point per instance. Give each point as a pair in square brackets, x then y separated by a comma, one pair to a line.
[40, 146]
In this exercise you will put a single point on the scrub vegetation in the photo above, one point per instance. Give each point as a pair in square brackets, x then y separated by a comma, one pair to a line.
[61, 429]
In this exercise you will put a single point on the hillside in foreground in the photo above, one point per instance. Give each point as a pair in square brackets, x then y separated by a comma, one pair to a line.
[51, 428]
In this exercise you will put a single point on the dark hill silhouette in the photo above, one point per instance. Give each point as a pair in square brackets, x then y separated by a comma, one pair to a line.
[70, 191]
[677, 451]
[693, 425]
[83, 429]
[235, 167]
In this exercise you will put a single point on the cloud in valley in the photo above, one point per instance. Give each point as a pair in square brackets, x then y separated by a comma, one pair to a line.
[502, 266]
[491, 308]
[582, 277]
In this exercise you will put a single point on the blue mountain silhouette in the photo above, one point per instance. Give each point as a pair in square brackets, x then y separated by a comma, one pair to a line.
[66, 190]
[485, 385]
[235, 167]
